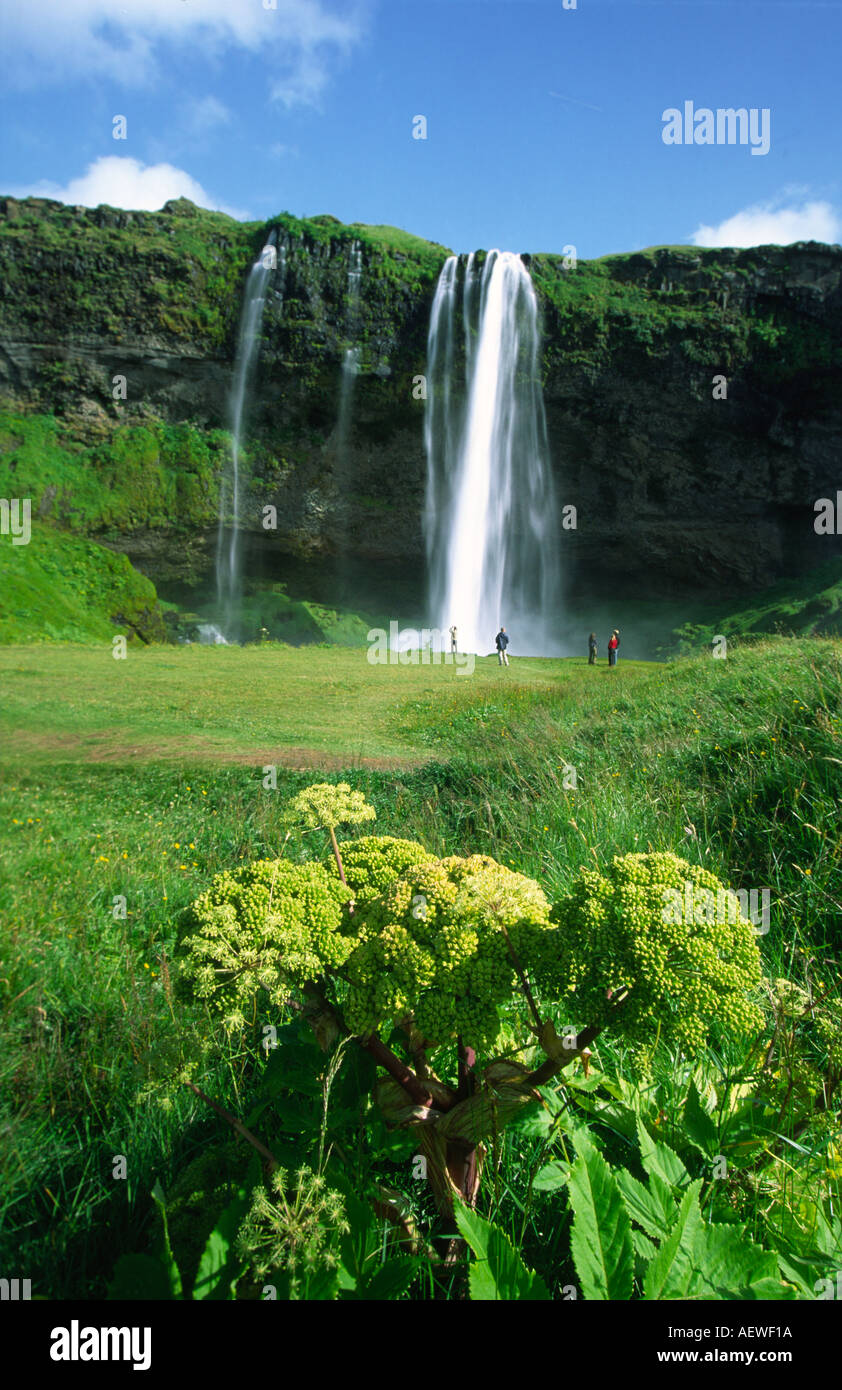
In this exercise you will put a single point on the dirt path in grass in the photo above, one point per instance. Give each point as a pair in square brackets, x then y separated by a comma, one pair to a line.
[105, 748]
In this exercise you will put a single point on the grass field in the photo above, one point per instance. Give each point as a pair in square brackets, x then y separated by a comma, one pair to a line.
[139, 779]
[71, 704]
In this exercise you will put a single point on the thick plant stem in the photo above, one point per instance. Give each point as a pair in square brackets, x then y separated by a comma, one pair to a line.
[338, 857]
[521, 973]
[401, 1073]
[271, 1161]
[553, 1066]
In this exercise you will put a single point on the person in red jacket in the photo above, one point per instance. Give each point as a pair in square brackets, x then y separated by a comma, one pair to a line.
[612, 647]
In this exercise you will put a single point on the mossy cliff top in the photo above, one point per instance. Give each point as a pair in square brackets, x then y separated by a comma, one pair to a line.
[174, 277]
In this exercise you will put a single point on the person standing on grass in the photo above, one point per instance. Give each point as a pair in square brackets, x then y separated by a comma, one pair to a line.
[502, 642]
[592, 649]
[612, 648]
[453, 648]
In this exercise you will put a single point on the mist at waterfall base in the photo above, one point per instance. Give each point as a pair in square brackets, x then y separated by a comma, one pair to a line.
[228, 562]
[492, 521]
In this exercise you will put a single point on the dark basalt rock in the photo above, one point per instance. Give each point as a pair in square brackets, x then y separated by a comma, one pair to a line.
[674, 489]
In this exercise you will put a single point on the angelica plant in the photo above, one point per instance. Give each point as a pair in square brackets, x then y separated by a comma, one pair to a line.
[473, 967]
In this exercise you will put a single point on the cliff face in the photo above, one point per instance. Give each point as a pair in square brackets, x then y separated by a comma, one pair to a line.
[672, 486]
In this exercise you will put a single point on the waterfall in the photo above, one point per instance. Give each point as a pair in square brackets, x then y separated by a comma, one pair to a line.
[210, 635]
[351, 357]
[228, 550]
[491, 521]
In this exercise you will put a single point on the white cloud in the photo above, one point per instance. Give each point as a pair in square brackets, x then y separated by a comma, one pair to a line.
[126, 183]
[47, 40]
[766, 224]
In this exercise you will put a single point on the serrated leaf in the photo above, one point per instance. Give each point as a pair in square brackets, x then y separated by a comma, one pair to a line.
[473, 1228]
[600, 1239]
[659, 1159]
[551, 1177]
[728, 1265]
[767, 1288]
[498, 1273]
[167, 1257]
[218, 1266]
[698, 1125]
[670, 1272]
[644, 1248]
[535, 1123]
[828, 1235]
[652, 1207]
[393, 1278]
[320, 1286]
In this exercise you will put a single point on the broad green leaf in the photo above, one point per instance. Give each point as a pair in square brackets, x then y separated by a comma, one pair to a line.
[600, 1239]
[139, 1277]
[218, 1265]
[615, 1115]
[577, 1081]
[319, 1286]
[552, 1100]
[473, 1228]
[828, 1235]
[644, 1248]
[535, 1123]
[652, 1207]
[671, 1271]
[167, 1257]
[393, 1277]
[698, 1125]
[361, 1245]
[729, 1265]
[498, 1273]
[660, 1160]
[767, 1288]
[800, 1272]
[551, 1177]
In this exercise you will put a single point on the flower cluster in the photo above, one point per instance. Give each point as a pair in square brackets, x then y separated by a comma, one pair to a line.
[325, 805]
[374, 862]
[616, 948]
[268, 925]
[435, 946]
[294, 1227]
[446, 944]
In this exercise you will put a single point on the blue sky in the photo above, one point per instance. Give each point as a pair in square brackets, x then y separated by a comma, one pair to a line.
[544, 123]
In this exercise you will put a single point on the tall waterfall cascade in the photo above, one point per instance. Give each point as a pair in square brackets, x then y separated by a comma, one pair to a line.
[228, 577]
[491, 522]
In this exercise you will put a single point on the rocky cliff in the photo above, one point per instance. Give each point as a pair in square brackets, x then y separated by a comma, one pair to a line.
[678, 481]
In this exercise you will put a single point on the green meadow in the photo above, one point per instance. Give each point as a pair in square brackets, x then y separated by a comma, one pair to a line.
[132, 782]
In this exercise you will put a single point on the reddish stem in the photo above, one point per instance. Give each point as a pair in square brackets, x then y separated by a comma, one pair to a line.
[401, 1073]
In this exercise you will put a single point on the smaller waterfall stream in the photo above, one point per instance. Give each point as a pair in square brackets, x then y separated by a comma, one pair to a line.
[228, 579]
[351, 358]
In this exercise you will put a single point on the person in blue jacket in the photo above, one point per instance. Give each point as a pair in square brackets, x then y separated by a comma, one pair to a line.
[502, 641]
